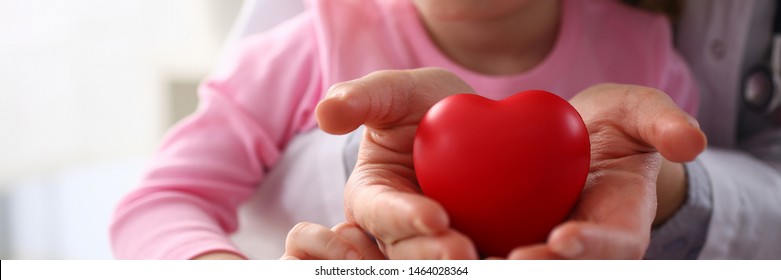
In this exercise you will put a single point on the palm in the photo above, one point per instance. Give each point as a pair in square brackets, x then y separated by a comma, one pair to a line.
[621, 187]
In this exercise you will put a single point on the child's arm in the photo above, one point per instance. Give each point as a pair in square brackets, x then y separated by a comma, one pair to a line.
[186, 203]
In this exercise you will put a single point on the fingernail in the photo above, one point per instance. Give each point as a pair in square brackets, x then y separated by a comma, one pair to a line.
[693, 122]
[570, 248]
[333, 91]
[352, 255]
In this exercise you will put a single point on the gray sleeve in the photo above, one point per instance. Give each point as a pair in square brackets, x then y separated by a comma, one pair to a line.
[743, 162]
[746, 216]
[684, 234]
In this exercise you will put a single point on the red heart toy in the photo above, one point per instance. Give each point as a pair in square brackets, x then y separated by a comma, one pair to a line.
[507, 171]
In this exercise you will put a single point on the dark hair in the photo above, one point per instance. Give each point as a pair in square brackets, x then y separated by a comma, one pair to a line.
[671, 8]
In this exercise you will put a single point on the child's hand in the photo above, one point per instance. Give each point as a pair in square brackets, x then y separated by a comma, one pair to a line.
[382, 195]
[627, 126]
[219, 255]
[345, 241]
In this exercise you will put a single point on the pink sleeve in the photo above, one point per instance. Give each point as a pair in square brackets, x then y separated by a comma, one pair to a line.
[186, 204]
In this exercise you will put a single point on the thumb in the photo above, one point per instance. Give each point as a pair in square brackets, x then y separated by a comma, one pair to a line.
[385, 99]
[677, 136]
[645, 114]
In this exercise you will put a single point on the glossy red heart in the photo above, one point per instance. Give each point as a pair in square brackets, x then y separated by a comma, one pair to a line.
[507, 171]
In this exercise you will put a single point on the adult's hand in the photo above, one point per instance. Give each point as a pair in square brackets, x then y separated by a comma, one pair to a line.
[629, 128]
[382, 195]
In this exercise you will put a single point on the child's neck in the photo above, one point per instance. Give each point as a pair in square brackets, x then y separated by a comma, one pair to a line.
[511, 44]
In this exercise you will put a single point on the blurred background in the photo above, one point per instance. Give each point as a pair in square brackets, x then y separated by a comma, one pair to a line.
[87, 89]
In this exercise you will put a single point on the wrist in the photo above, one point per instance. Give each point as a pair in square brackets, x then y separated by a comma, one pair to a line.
[671, 190]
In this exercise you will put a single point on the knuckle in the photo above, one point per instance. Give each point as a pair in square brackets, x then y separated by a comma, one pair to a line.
[298, 230]
[333, 244]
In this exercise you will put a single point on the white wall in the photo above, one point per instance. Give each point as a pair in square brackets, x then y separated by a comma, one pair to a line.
[85, 80]
[66, 215]
[87, 87]
[84, 99]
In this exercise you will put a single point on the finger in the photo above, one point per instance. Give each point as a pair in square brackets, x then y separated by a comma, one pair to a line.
[577, 240]
[450, 245]
[645, 114]
[385, 99]
[621, 203]
[533, 252]
[313, 241]
[412, 214]
[367, 247]
[389, 207]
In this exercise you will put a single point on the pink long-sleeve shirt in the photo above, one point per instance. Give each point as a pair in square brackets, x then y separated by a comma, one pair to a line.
[214, 160]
